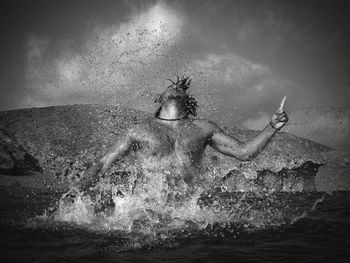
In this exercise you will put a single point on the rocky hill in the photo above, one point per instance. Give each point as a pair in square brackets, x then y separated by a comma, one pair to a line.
[63, 140]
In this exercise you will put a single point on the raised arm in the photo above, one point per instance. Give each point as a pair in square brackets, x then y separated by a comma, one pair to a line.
[117, 151]
[231, 146]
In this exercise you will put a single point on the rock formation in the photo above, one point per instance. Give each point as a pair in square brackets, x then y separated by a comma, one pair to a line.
[65, 139]
[14, 159]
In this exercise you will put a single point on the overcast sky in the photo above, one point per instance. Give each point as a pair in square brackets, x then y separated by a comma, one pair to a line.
[244, 56]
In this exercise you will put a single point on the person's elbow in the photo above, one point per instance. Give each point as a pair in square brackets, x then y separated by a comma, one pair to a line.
[246, 155]
[242, 155]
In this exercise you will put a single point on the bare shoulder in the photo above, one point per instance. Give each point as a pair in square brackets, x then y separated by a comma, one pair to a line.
[140, 128]
[207, 125]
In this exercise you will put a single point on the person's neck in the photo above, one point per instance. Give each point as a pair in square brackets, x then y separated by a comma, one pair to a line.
[172, 111]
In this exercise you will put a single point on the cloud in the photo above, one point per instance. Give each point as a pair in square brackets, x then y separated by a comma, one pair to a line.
[247, 32]
[113, 59]
[69, 69]
[236, 74]
[233, 88]
[36, 46]
[229, 69]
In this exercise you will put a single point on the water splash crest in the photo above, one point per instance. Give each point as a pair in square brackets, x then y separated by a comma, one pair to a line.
[154, 202]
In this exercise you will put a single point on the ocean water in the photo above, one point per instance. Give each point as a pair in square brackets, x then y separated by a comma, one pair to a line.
[220, 227]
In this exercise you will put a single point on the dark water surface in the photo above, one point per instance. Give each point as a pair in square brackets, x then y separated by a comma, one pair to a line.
[323, 235]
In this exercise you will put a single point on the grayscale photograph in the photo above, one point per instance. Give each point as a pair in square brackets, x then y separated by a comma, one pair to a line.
[175, 131]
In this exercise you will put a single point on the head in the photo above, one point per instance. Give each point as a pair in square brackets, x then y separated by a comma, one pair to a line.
[178, 91]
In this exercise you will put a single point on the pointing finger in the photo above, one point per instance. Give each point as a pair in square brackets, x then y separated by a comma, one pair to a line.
[283, 119]
[281, 108]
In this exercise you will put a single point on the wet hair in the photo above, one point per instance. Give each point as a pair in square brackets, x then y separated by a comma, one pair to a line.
[190, 101]
[191, 105]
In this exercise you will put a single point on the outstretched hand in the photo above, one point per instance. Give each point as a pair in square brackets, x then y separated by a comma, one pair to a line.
[280, 118]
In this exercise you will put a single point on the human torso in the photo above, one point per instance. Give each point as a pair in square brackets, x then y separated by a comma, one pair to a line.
[174, 148]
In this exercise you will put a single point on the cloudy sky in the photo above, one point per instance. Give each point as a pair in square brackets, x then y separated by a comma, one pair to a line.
[244, 56]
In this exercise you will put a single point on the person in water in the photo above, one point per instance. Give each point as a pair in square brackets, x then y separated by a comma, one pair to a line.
[174, 141]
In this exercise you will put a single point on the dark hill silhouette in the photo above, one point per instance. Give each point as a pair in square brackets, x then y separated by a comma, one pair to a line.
[65, 139]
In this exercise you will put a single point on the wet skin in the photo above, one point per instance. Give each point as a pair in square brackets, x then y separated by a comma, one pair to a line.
[175, 143]
[175, 146]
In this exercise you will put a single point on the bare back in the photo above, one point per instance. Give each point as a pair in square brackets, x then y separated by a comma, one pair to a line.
[174, 146]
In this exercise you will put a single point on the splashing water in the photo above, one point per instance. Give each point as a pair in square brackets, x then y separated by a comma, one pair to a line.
[154, 202]
[158, 199]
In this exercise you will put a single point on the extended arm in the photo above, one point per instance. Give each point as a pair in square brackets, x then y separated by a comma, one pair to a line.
[231, 146]
[118, 151]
